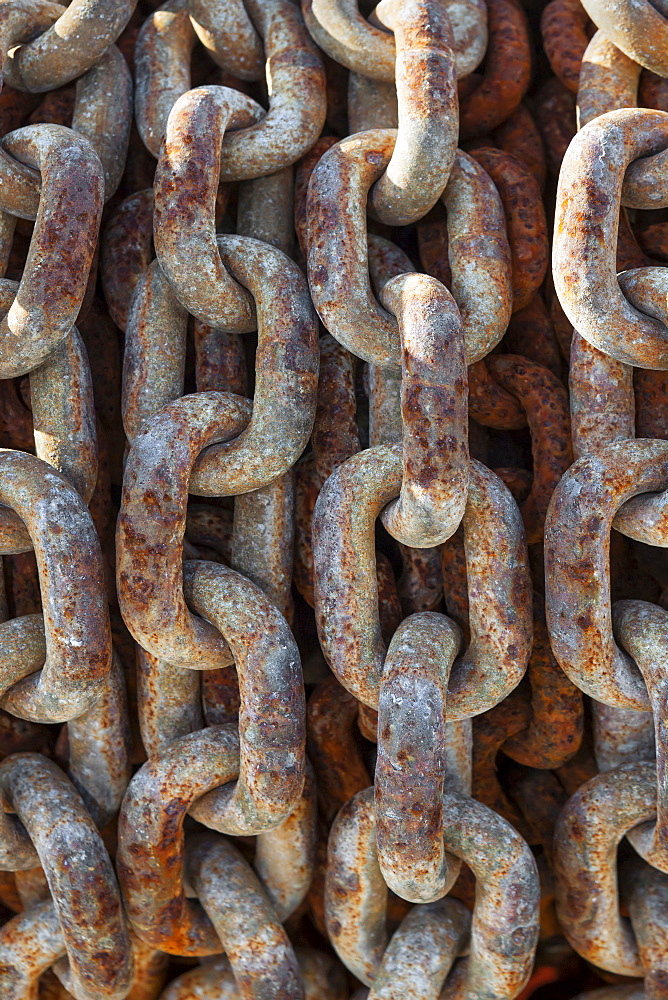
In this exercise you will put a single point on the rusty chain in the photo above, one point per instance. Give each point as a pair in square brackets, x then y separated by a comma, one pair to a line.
[333, 495]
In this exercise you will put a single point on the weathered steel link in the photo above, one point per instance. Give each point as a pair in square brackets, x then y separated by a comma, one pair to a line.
[347, 596]
[507, 901]
[228, 34]
[296, 87]
[50, 812]
[67, 217]
[639, 30]
[577, 575]
[584, 266]
[414, 762]
[363, 46]
[75, 655]
[69, 41]
[342, 294]
[161, 793]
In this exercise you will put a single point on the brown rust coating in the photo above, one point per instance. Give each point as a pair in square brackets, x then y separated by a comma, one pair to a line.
[653, 240]
[285, 856]
[29, 944]
[162, 68]
[126, 252]
[490, 731]
[564, 27]
[504, 926]
[587, 835]
[653, 91]
[185, 189]
[322, 978]
[519, 135]
[555, 117]
[489, 403]
[15, 419]
[265, 210]
[338, 268]
[153, 518]
[55, 108]
[337, 762]
[16, 107]
[437, 933]
[70, 46]
[63, 419]
[297, 97]
[621, 736]
[103, 114]
[554, 733]
[507, 71]
[425, 77]
[434, 412]
[78, 638]
[608, 80]
[85, 894]
[646, 893]
[432, 234]
[220, 360]
[227, 33]
[365, 48]
[629, 254]
[412, 759]
[586, 224]
[371, 104]
[545, 402]
[168, 702]
[151, 840]
[61, 250]
[420, 583]
[303, 171]
[531, 334]
[262, 958]
[651, 391]
[297, 93]
[155, 348]
[262, 541]
[540, 797]
[307, 487]
[99, 750]
[213, 980]
[338, 255]
[577, 574]
[641, 630]
[63, 411]
[479, 255]
[601, 398]
[525, 220]
[271, 713]
[335, 435]
[286, 375]
[638, 29]
[346, 592]
[517, 480]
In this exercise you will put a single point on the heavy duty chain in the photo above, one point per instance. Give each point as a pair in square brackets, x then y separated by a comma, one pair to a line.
[333, 606]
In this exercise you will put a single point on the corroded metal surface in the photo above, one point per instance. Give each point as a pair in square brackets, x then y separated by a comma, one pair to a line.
[333, 599]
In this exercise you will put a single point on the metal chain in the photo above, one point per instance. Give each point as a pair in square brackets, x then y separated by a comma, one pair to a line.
[333, 608]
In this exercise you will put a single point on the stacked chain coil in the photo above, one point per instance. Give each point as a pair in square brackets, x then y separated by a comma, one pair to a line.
[333, 495]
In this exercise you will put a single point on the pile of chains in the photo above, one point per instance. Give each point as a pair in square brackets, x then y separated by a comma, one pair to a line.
[333, 606]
